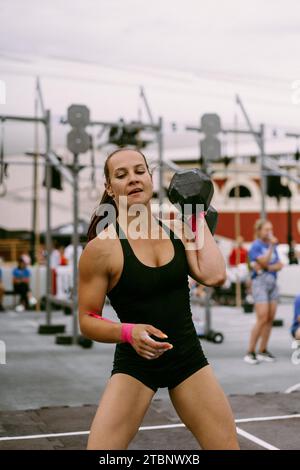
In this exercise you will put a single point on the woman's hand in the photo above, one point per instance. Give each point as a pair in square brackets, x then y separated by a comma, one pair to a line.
[273, 240]
[144, 345]
[256, 267]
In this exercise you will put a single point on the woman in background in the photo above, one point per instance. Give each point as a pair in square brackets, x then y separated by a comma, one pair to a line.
[265, 263]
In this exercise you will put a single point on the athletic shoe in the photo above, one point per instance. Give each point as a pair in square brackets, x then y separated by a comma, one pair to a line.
[296, 344]
[20, 308]
[296, 357]
[266, 356]
[32, 301]
[249, 299]
[251, 358]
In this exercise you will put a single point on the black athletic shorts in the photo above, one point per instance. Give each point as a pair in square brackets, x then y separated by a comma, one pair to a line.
[169, 370]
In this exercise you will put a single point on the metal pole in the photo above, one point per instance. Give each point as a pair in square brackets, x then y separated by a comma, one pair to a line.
[34, 212]
[40, 94]
[202, 161]
[75, 248]
[24, 118]
[161, 193]
[291, 253]
[130, 125]
[260, 140]
[263, 180]
[237, 220]
[142, 94]
[48, 219]
[255, 134]
[33, 250]
[207, 328]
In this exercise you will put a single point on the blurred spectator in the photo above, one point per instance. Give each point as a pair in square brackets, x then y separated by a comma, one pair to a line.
[295, 328]
[21, 278]
[55, 255]
[63, 260]
[264, 263]
[200, 291]
[2, 290]
[196, 289]
[238, 254]
[26, 258]
[69, 253]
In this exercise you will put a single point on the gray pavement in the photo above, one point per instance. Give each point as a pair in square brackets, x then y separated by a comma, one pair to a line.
[40, 373]
[274, 424]
[50, 389]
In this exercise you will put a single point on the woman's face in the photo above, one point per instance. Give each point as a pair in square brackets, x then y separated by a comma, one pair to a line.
[129, 176]
[266, 232]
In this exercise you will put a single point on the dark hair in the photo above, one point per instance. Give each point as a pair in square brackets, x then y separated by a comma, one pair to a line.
[106, 199]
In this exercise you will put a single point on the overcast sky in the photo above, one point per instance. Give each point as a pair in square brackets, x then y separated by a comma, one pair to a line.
[193, 48]
[191, 56]
[195, 36]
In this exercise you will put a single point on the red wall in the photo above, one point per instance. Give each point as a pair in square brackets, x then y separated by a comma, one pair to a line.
[226, 225]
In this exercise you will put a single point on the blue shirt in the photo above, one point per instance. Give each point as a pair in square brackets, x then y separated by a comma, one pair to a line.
[258, 249]
[0, 274]
[296, 323]
[21, 273]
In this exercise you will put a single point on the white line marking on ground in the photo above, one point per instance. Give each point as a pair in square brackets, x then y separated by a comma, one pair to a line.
[255, 439]
[266, 418]
[162, 426]
[61, 434]
[42, 436]
[145, 428]
[292, 388]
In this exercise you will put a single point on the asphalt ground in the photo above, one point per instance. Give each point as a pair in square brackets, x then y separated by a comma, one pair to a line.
[49, 393]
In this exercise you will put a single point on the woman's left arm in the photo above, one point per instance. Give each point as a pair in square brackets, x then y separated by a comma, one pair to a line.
[275, 267]
[205, 260]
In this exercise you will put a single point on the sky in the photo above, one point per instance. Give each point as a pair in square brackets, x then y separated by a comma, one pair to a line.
[191, 57]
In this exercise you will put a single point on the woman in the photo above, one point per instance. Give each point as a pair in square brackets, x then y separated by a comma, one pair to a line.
[265, 264]
[146, 280]
[295, 328]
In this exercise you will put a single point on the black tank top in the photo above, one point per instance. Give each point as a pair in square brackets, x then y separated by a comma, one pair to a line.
[158, 296]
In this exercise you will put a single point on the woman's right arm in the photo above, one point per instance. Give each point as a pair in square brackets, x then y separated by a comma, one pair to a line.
[92, 287]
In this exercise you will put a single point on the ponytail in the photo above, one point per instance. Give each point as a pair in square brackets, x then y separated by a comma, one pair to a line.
[98, 216]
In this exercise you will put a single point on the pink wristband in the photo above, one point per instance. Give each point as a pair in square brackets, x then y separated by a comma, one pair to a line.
[126, 332]
[97, 315]
[126, 328]
[193, 220]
